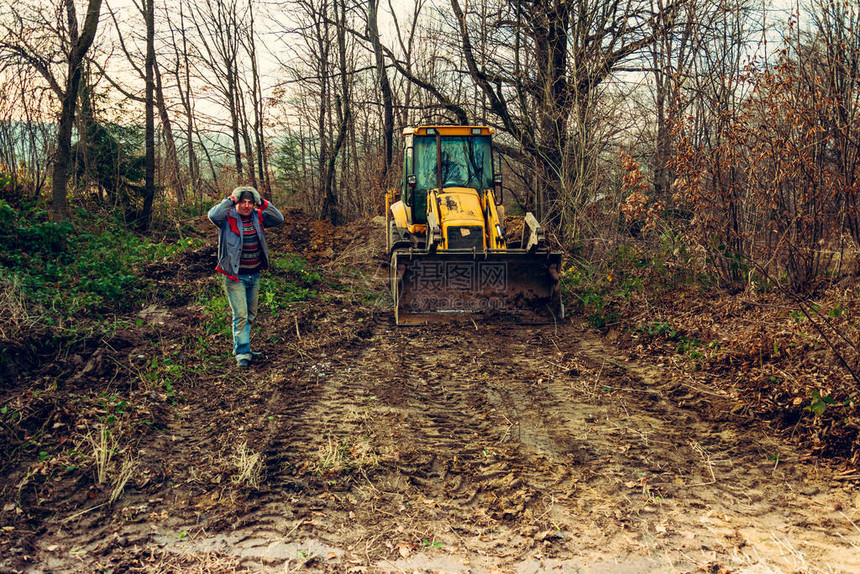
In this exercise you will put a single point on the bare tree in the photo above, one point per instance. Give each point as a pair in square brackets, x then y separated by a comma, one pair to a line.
[715, 95]
[833, 53]
[25, 137]
[249, 42]
[219, 25]
[181, 73]
[672, 56]
[443, 106]
[145, 217]
[57, 52]
[146, 9]
[310, 69]
[406, 41]
[543, 90]
[384, 87]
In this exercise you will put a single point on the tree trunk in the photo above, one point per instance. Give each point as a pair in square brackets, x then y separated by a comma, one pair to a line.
[187, 104]
[385, 90]
[62, 158]
[145, 218]
[172, 159]
[332, 210]
[257, 102]
[244, 128]
[69, 98]
[322, 39]
[232, 97]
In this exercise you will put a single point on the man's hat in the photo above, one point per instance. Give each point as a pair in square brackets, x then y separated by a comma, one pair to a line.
[246, 192]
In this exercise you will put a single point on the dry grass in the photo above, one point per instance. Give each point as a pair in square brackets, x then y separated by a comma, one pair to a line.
[104, 446]
[126, 471]
[330, 457]
[249, 466]
[14, 316]
[337, 456]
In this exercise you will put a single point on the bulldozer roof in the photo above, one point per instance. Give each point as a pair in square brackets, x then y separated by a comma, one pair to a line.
[449, 130]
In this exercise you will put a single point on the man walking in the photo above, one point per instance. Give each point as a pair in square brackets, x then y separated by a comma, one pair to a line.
[242, 254]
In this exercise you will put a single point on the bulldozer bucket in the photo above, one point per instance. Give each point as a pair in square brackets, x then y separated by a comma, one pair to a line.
[511, 286]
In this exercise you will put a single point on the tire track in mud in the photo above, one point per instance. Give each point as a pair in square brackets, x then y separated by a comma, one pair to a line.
[580, 449]
[420, 402]
[509, 443]
[181, 478]
[503, 443]
[280, 411]
[327, 441]
[698, 486]
[435, 388]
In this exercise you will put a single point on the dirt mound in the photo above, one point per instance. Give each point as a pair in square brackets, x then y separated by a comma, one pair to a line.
[187, 266]
[320, 242]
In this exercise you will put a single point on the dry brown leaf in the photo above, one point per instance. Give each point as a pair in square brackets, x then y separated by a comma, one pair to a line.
[405, 548]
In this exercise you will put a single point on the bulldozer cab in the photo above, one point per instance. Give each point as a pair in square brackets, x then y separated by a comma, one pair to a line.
[464, 160]
[449, 257]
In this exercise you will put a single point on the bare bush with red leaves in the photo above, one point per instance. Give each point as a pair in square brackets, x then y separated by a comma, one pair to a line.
[774, 196]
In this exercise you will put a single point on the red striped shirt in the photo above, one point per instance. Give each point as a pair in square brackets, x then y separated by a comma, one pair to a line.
[252, 254]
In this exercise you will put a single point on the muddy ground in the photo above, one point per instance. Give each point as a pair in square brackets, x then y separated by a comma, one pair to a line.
[358, 446]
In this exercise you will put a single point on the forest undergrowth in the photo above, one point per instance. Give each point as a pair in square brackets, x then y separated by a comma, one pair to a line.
[786, 359]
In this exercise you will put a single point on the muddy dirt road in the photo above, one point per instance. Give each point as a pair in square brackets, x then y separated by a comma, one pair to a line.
[358, 446]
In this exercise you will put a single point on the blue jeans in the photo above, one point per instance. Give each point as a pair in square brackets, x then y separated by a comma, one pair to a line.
[243, 296]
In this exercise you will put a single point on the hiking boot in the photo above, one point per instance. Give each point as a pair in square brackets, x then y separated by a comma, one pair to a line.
[255, 356]
[244, 363]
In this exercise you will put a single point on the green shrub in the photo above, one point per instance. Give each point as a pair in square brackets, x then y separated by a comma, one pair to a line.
[60, 271]
[290, 281]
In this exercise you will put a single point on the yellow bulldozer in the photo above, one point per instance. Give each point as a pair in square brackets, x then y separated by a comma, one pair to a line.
[446, 239]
